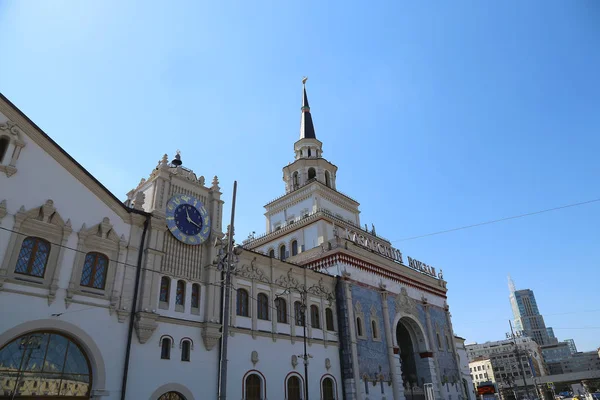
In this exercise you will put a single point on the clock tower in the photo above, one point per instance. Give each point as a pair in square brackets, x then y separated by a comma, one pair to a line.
[187, 218]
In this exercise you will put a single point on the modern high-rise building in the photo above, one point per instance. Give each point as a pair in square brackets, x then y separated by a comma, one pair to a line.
[572, 346]
[527, 315]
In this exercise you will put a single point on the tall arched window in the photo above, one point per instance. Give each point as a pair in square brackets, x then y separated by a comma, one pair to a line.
[329, 319]
[165, 286]
[185, 350]
[314, 317]
[327, 179]
[262, 311]
[4, 141]
[312, 173]
[359, 327]
[94, 270]
[180, 293]
[294, 247]
[33, 257]
[293, 388]
[282, 255]
[272, 253]
[195, 295]
[253, 387]
[374, 329]
[242, 303]
[46, 364]
[298, 313]
[165, 348]
[328, 389]
[295, 181]
[281, 306]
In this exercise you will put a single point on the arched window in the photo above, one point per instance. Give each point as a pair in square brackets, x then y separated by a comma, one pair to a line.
[314, 317]
[328, 389]
[165, 284]
[33, 257]
[272, 253]
[44, 358]
[262, 311]
[298, 313]
[185, 350]
[295, 181]
[172, 396]
[359, 328]
[165, 348]
[195, 295]
[4, 141]
[282, 255]
[374, 329]
[253, 387]
[180, 293]
[281, 306]
[329, 319]
[242, 303]
[311, 173]
[293, 388]
[294, 247]
[327, 179]
[94, 270]
[309, 152]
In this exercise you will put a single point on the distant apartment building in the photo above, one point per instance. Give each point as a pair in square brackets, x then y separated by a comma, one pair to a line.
[571, 344]
[527, 315]
[482, 371]
[551, 334]
[504, 361]
[580, 362]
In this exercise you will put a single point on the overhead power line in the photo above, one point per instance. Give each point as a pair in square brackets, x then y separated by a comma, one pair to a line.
[497, 220]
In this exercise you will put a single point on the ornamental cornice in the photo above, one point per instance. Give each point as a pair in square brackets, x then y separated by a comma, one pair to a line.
[289, 199]
[59, 155]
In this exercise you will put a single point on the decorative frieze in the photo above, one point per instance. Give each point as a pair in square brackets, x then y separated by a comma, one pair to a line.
[145, 325]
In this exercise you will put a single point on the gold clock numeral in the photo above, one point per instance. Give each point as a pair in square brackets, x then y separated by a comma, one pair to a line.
[171, 207]
[185, 198]
[170, 218]
[173, 228]
[183, 237]
[192, 239]
[177, 201]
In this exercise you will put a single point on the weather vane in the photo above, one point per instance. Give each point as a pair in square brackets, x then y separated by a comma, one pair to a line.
[304, 79]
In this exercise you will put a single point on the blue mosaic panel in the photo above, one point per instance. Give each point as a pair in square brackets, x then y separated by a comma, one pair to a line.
[371, 353]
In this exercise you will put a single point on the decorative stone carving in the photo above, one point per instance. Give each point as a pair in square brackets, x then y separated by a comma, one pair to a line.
[294, 361]
[254, 357]
[3, 211]
[288, 280]
[211, 334]
[358, 308]
[253, 272]
[373, 312]
[122, 315]
[201, 180]
[327, 364]
[10, 127]
[215, 184]
[405, 303]
[145, 325]
[138, 203]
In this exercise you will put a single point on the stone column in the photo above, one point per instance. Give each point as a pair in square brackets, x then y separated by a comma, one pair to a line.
[434, 367]
[393, 359]
[353, 347]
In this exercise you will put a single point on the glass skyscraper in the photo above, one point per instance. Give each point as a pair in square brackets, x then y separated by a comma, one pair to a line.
[527, 315]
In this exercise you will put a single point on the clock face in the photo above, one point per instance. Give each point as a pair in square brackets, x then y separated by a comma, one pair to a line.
[187, 219]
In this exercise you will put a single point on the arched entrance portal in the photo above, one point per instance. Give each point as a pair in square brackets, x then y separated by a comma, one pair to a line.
[43, 364]
[413, 357]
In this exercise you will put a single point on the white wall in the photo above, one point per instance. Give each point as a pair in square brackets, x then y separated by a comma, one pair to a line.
[275, 364]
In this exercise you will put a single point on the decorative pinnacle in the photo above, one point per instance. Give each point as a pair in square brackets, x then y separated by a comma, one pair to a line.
[304, 79]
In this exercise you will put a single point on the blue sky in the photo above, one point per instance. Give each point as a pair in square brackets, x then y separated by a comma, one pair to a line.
[437, 114]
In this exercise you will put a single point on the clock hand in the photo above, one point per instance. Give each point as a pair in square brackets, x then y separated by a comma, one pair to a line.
[191, 221]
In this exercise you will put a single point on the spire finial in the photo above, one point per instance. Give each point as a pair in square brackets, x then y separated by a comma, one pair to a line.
[177, 161]
[307, 130]
[511, 284]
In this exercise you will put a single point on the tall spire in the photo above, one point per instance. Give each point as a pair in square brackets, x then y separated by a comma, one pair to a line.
[307, 129]
[511, 285]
